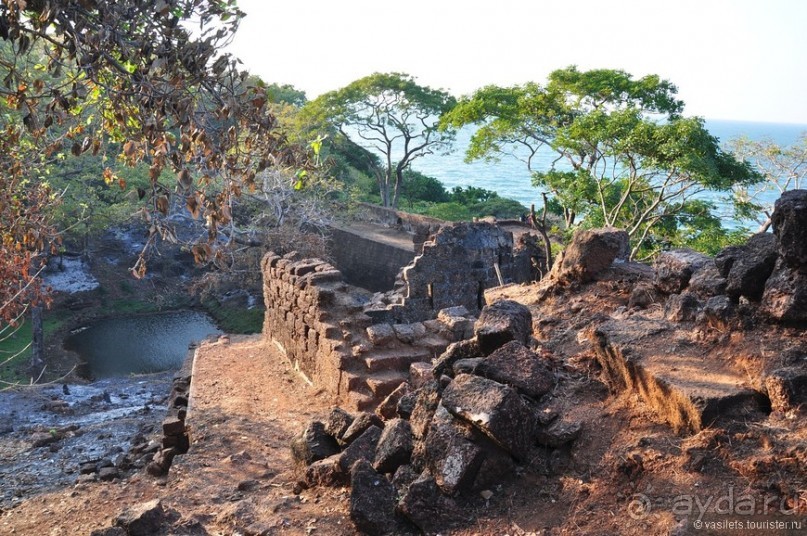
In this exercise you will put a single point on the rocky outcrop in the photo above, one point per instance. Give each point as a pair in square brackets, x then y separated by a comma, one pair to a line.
[750, 266]
[590, 252]
[785, 295]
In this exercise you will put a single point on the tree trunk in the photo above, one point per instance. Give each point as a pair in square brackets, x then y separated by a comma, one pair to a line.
[37, 341]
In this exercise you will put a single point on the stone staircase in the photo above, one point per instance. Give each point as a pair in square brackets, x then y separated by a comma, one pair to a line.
[384, 353]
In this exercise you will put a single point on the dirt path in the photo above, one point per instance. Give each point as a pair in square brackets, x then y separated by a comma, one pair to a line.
[237, 477]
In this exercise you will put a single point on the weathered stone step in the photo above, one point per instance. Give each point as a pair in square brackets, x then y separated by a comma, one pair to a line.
[360, 399]
[397, 359]
[383, 383]
[434, 343]
[688, 388]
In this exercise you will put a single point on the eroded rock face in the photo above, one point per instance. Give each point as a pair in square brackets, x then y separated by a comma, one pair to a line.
[590, 252]
[789, 221]
[500, 323]
[785, 296]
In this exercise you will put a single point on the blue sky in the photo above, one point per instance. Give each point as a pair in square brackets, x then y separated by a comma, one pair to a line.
[742, 60]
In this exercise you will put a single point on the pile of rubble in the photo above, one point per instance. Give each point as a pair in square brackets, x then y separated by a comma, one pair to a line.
[457, 429]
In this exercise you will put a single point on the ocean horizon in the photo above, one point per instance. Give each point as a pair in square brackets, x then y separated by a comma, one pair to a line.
[510, 178]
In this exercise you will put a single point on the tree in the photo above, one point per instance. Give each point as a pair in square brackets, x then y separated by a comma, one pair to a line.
[621, 153]
[145, 82]
[783, 168]
[391, 115]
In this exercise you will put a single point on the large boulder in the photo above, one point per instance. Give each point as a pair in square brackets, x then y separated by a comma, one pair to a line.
[500, 323]
[785, 296]
[517, 366]
[789, 221]
[752, 267]
[673, 269]
[495, 409]
[590, 252]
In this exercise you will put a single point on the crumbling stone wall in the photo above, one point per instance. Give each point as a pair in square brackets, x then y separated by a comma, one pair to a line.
[307, 305]
[366, 262]
[454, 269]
[420, 227]
[318, 322]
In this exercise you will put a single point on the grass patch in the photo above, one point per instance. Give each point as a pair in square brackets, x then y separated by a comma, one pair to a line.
[15, 353]
[235, 319]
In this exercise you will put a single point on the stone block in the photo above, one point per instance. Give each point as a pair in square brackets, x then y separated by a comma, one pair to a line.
[360, 424]
[337, 423]
[519, 367]
[429, 509]
[313, 444]
[394, 447]
[502, 322]
[495, 409]
[388, 408]
[144, 519]
[381, 334]
[451, 457]
[420, 372]
[362, 448]
[372, 500]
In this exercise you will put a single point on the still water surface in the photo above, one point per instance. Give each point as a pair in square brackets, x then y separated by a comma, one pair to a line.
[140, 344]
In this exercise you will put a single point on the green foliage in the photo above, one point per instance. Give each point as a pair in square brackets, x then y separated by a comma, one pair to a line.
[234, 319]
[623, 154]
[14, 351]
[390, 115]
[285, 94]
[451, 211]
[419, 187]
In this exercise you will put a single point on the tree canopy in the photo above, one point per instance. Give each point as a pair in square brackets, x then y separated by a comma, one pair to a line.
[783, 168]
[391, 115]
[140, 82]
[620, 153]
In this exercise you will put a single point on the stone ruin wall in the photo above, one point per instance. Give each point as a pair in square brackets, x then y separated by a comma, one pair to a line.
[316, 320]
[454, 269]
[321, 323]
[306, 300]
[368, 263]
[420, 227]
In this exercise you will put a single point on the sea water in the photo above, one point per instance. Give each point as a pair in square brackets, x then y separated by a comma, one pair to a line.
[510, 177]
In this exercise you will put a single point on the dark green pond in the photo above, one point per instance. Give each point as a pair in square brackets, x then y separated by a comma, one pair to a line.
[139, 344]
